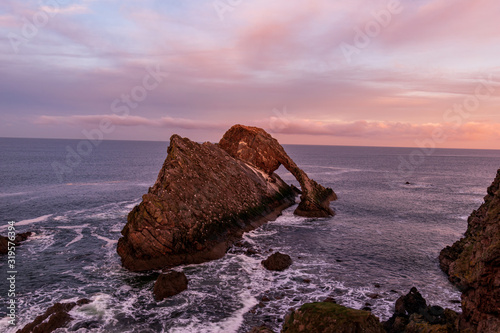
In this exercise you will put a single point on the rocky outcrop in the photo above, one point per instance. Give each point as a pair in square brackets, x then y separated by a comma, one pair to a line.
[4, 241]
[169, 284]
[277, 262]
[55, 317]
[201, 203]
[256, 147]
[473, 265]
[413, 315]
[326, 317]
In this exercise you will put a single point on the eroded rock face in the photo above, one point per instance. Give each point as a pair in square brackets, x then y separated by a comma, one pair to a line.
[473, 265]
[325, 317]
[202, 201]
[258, 148]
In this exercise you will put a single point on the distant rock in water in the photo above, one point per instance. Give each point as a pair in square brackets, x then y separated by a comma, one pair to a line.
[473, 265]
[277, 262]
[256, 147]
[203, 201]
[326, 317]
[4, 241]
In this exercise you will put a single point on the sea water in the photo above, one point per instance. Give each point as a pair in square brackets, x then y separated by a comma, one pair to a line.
[384, 239]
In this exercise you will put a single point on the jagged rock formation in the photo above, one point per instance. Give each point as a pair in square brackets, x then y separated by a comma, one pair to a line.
[202, 201]
[256, 147]
[473, 265]
[413, 315]
[326, 317]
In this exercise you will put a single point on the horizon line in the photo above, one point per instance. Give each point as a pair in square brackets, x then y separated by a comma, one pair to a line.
[288, 144]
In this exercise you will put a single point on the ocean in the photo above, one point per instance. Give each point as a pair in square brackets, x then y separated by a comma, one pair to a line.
[384, 239]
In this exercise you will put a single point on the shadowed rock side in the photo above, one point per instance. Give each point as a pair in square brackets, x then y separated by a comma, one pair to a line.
[473, 265]
[202, 201]
[255, 146]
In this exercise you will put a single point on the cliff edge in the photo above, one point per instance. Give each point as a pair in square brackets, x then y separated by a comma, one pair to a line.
[473, 265]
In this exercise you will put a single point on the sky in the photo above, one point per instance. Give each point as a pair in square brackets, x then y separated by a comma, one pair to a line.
[402, 73]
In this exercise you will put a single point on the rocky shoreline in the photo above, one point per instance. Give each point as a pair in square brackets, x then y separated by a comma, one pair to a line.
[207, 195]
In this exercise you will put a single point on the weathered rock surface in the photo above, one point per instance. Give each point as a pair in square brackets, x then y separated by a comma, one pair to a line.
[4, 241]
[169, 284]
[55, 317]
[328, 317]
[413, 315]
[258, 148]
[277, 262]
[473, 265]
[204, 199]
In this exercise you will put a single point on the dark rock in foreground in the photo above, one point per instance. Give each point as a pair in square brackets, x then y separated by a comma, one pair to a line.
[4, 241]
[169, 284]
[412, 315]
[277, 262]
[473, 265]
[203, 201]
[54, 318]
[329, 317]
[256, 147]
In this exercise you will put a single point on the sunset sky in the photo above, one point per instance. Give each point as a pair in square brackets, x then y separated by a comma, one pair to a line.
[331, 72]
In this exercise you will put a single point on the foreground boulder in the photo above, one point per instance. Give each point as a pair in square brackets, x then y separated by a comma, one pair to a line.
[55, 317]
[256, 147]
[328, 317]
[473, 265]
[4, 241]
[169, 284]
[413, 315]
[202, 202]
[277, 262]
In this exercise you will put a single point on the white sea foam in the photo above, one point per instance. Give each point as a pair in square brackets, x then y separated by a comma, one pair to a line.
[39, 219]
[229, 325]
[109, 242]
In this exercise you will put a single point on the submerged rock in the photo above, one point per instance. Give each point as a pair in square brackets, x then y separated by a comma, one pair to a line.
[326, 317]
[258, 148]
[169, 284]
[203, 201]
[473, 265]
[277, 262]
[55, 317]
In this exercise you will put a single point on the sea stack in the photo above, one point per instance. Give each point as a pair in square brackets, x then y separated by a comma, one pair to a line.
[473, 265]
[207, 195]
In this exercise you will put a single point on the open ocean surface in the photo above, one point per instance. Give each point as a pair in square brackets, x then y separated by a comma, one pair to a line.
[385, 232]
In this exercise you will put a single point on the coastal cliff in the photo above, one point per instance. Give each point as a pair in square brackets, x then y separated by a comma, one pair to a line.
[205, 198]
[473, 265]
